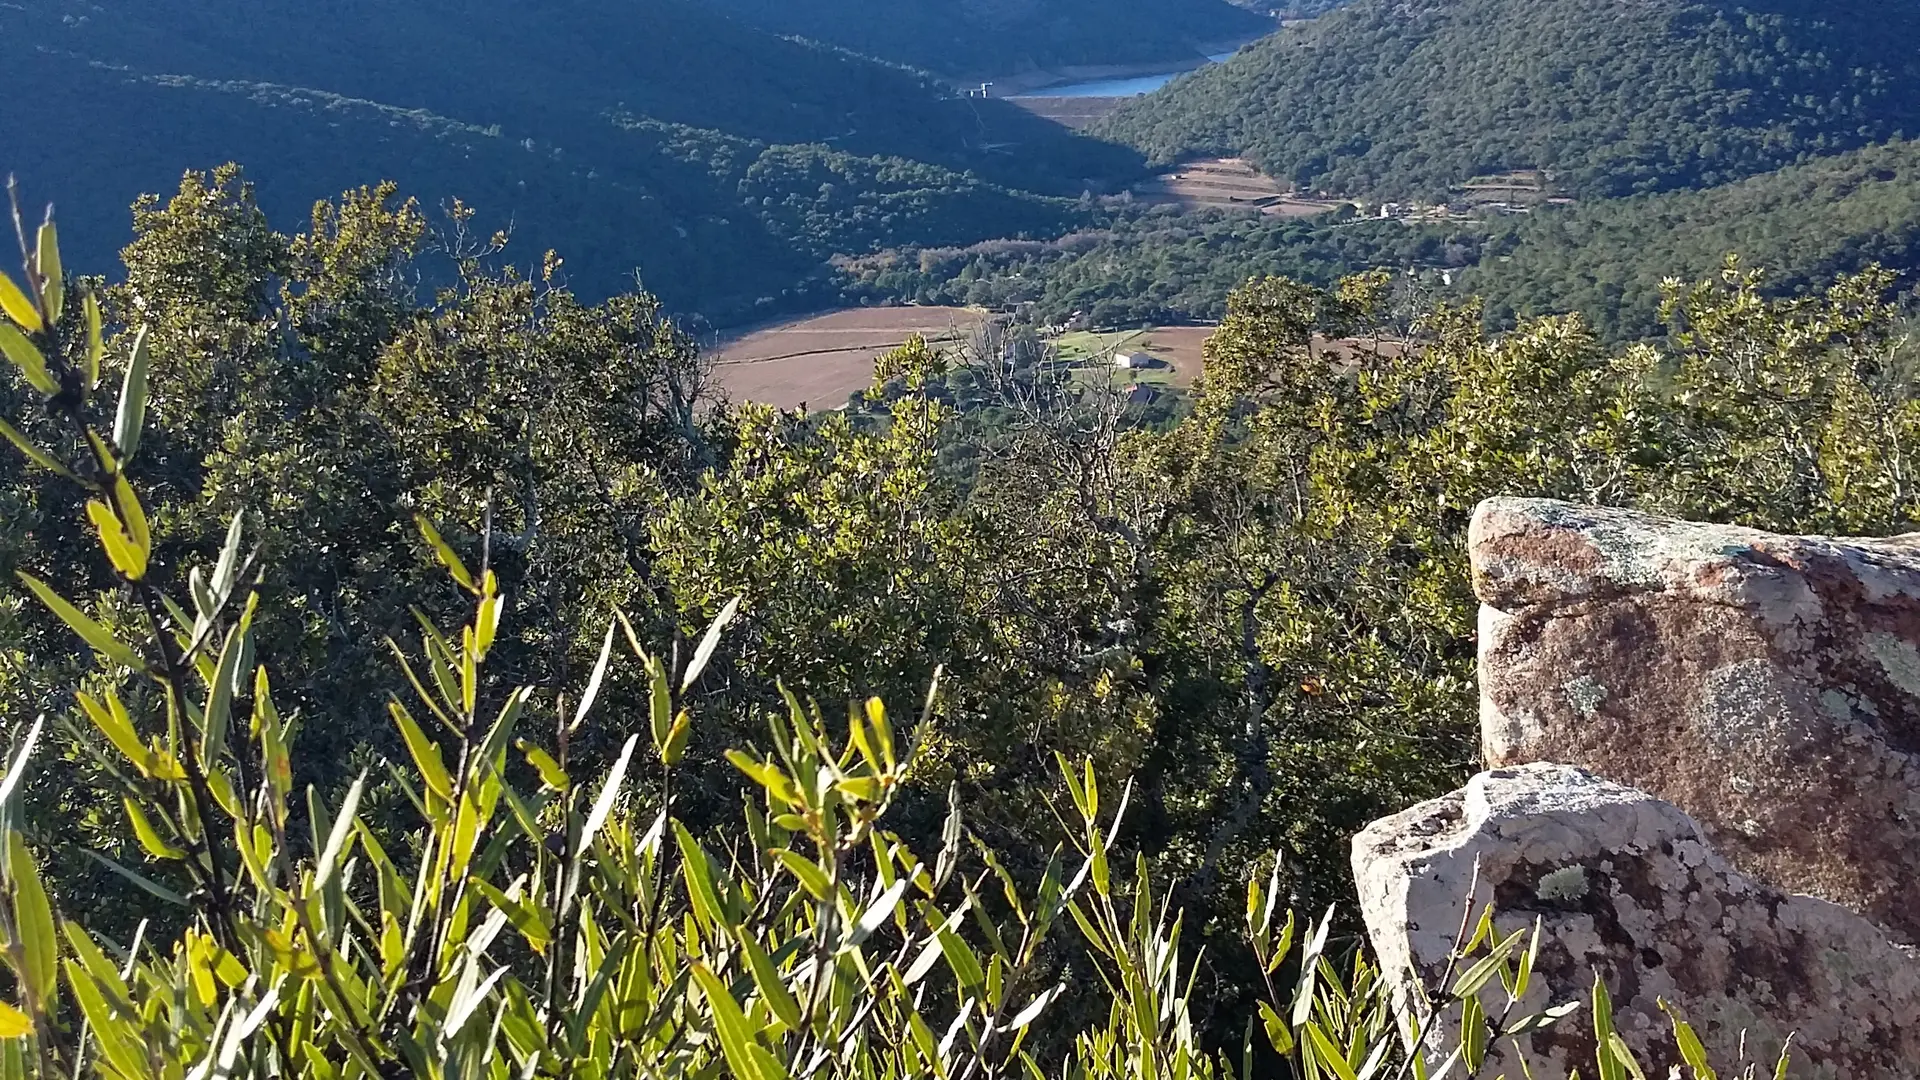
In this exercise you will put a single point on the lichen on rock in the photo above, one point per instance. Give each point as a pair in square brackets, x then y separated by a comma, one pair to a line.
[1626, 887]
[1768, 685]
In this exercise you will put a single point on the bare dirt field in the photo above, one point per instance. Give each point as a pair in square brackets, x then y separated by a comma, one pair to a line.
[1179, 346]
[819, 360]
[1228, 183]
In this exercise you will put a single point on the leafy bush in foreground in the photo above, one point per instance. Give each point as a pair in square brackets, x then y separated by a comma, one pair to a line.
[529, 924]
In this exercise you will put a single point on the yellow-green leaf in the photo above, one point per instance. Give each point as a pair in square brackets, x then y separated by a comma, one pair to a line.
[132, 515]
[18, 307]
[126, 557]
[114, 722]
[446, 553]
[92, 632]
[676, 747]
[148, 836]
[14, 1024]
[551, 774]
[426, 753]
[27, 358]
[524, 917]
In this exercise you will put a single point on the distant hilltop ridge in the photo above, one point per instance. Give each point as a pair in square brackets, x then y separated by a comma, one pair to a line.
[979, 39]
[1402, 101]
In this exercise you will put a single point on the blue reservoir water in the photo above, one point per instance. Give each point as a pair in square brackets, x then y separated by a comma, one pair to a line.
[1141, 84]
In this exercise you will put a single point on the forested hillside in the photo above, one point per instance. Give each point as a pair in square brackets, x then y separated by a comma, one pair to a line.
[1151, 267]
[1613, 98]
[1807, 224]
[722, 162]
[985, 38]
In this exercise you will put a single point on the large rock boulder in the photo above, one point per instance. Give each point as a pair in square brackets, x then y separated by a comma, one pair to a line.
[1626, 887]
[1768, 685]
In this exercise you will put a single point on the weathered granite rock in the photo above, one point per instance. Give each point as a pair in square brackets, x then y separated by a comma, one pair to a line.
[1767, 685]
[1626, 887]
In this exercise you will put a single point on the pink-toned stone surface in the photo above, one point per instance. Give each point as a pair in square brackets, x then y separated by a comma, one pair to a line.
[1626, 887]
[1767, 685]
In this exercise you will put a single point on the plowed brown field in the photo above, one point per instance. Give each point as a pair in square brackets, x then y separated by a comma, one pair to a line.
[819, 360]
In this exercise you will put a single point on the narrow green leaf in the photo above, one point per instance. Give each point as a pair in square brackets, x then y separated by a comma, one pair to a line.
[659, 702]
[1278, 1033]
[92, 632]
[697, 868]
[18, 769]
[592, 692]
[14, 1024]
[609, 792]
[35, 454]
[1623, 1053]
[708, 643]
[426, 753]
[96, 341]
[131, 418]
[228, 567]
[343, 824]
[677, 738]
[445, 552]
[1692, 1051]
[144, 883]
[811, 877]
[730, 1023]
[773, 989]
[1607, 1066]
[1303, 994]
[960, 957]
[217, 714]
[33, 916]
[53, 282]
[524, 917]
[128, 560]
[1327, 1053]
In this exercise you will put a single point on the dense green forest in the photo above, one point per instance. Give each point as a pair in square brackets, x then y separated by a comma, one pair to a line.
[1153, 266]
[1809, 224]
[721, 162]
[988, 38]
[1408, 100]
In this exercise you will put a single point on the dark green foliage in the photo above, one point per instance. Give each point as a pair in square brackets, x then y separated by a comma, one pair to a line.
[722, 163]
[984, 39]
[1150, 267]
[1808, 224]
[1407, 100]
